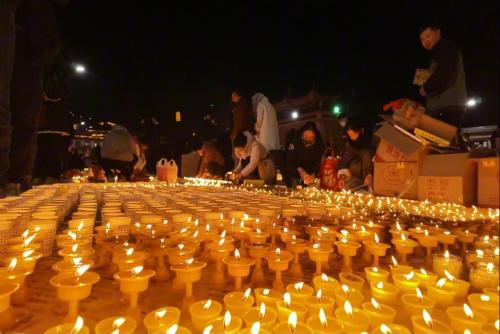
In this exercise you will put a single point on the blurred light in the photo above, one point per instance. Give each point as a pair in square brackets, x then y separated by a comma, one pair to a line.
[472, 102]
[336, 109]
[82, 123]
[80, 69]
[295, 114]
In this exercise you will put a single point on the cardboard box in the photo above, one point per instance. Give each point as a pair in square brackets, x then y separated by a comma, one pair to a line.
[488, 182]
[396, 179]
[398, 145]
[448, 178]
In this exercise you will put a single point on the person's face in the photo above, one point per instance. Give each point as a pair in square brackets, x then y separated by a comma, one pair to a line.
[235, 97]
[240, 152]
[429, 38]
[308, 138]
[200, 152]
[353, 134]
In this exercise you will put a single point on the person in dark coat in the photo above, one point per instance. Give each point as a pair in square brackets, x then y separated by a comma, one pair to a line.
[242, 114]
[212, 161]
[356, 159]
[445, 89]
[304, 155]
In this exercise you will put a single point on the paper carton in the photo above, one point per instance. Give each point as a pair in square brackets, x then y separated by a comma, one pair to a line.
[398, 145]
[396, 179]
[488, 182]
[448, 178]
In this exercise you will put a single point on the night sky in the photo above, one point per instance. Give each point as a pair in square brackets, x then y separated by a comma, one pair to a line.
[151, 58]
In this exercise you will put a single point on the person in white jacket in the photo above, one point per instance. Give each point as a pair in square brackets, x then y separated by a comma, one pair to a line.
[266, 125]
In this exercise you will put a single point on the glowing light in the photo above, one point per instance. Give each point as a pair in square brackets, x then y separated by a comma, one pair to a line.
[207, 305]
[375, 304]
[255, 329]
[227, 319]
[322, 317]
[12, 265]
[292, 321]
[440, 283]
[262, 311]
[348, 308]
[419, 294]
[78, 326]
[409, 276]
[298, 286]
[427, 318]
[468, 311]
[287, 299]
[172, 329]
[237, 254]
[117, 323]
[160, 313]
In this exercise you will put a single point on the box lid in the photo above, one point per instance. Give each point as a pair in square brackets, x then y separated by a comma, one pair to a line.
[445, 164]
[399, 138]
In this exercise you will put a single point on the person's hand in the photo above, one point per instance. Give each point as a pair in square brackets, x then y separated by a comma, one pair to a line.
[368, 180]
[308, 179]
[422, 91]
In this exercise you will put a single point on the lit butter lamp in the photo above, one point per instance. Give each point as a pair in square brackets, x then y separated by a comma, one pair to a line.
[406, 283]
[386, 293]
[442, 296]
[285, 307]
[203, 312]
[188, 273]
[238, 302]
[376, 274]
[238, 267]
[219, 250]
[159, 320]
[377, 249]
[265, 316]
[268, 296]
[297, 246]
[390, 329]
[132, 282]
[257, 251]
[379, 313]
[344, 293]
[428, 242]
[424, 324]
[460, 287]
[255, 328]
[74, 287]
[177, 255]
[292, 326]
[227, 324]
[73, 328]
[278, 261]
[404, 247]
[486, 304]
[446, 261]
[414, 304]
[397, 268]
[354, 320]
[319, 254]
[7, 315]
[327, 285]
[426, 278]
[347, 249]
[317, 302]
[462, 318]
[352, 280]
[16, 274]
[322, 324]
[300, 292]
[116, 325]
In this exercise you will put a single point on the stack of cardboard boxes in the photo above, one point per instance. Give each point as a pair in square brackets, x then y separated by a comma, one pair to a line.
[418, 164]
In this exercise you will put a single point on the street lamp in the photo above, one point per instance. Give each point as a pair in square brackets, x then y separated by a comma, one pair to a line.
[295, 114]
[472, 102]
[79, 68]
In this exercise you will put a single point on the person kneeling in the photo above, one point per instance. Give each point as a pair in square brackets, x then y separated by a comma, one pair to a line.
[245, 145]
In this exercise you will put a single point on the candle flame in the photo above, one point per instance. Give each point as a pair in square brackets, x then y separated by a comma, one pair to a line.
[292, 321]
[247, 294]
[195, 234]
[12, 265]
[129, 251]
[440, 283]
[74, 248]
[423, 271]
[117, 323]
[287, 299]
[316, 246]
[160, 313]
[136, 270]
[184, 230]
[189, 261]
[221, 242]
[449, 276]
[403, 237]
[322, 317]
[207, 305]
[446, 255]
[223, 234]
[285, 229]
[237, 254]
[375, 304]
[28, 240]
[380, 285]
[419, 294]
[78, 326]
[265, 292]
[384, 329]
[180, 246]
[426, 233]
[497, 325]
[346, 289]
[398, 227]
[208, 329]
[348, 308]
[72, 235]
[255, 329]
[467, 331]
[409, 276]
[319, 294]
[25, 234]
[485, 298]
[324, 278]
[377, 240]
[227, 319]
[262, 311]
[427, 318]
[80, 271]
[490, 266]
[172, 329]
[468, 311]
[375, 269]
[28, 253]
[298, 286]
[344, 233]
[394, 261]
[278, 251]
[258, 230]
[479, 253]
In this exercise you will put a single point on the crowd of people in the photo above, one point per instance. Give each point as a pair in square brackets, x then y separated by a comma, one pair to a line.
[35, 86]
